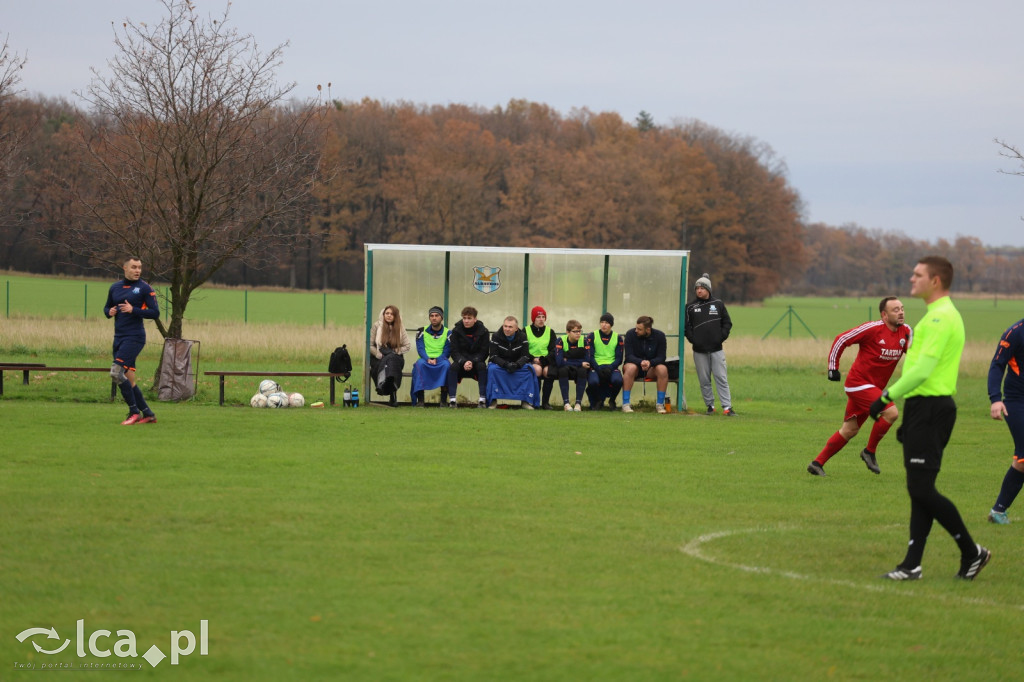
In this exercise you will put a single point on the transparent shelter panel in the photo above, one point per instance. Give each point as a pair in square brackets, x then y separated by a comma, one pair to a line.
[645, 285]
[568, 286]
[490, 281]
[411, 280]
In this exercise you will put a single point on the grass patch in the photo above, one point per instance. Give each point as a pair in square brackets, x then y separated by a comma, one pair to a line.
[382, 544]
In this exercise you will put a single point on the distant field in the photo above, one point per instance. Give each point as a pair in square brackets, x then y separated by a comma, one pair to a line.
[45, 297]
[33, 296]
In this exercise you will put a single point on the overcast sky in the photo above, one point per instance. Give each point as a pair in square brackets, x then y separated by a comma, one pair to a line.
[883, 111]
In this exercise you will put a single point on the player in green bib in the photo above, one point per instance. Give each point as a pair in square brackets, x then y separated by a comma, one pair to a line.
[431, 370]
[542, 352]
[605, 380]
[928, 383]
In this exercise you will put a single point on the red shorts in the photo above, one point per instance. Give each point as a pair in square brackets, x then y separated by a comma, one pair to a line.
[859, 402]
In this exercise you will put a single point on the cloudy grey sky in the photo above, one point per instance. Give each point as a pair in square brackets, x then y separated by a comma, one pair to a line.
[884, 111]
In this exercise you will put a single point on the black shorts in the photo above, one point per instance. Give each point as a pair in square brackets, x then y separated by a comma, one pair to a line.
[927, 425]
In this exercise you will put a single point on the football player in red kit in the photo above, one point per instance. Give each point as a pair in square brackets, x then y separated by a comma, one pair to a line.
[882, 344]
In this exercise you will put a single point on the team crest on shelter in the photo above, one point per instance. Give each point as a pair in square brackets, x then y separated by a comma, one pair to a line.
[485, 279]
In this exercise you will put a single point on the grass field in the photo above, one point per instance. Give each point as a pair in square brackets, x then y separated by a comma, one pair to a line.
[375, 544]
[379, 544]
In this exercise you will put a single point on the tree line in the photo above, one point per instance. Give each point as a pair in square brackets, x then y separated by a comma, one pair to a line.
[520, 175]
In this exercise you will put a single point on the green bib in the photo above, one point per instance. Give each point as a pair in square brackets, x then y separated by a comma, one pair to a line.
[434, 346]
[538, 344]
[604, 353]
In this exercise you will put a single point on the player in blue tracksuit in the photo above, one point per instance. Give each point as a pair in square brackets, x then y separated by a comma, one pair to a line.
[1007, 398]
[130, 302]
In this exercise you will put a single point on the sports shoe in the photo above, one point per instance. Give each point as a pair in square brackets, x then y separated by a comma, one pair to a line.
[133, 418]
[998, 517]
[492, 406]
[870, 461]
[567, 407]
[527, 406]
[659, 408]
[969, 570]
[627, 408]
[903, 574]
[577, 408]
[710, 410]
[483, 403]
[729, 412]
[452, 404]
[815, 468]
[148, 419]
[612, 405]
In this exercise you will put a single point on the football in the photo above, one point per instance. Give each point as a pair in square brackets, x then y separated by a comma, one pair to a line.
[267, 386]
[258, 400]
[277, 400]
[296, 400]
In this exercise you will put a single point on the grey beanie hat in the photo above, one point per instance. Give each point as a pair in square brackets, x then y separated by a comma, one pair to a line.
[703, 281]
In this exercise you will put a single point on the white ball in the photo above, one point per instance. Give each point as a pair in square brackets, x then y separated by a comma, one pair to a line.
[268, 386]
[296, 400]
[258, 400]
[277, 400]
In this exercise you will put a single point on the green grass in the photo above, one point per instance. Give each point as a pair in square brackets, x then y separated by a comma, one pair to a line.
[377, 544]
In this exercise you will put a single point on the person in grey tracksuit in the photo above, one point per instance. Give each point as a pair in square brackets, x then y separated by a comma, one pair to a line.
[707, 326]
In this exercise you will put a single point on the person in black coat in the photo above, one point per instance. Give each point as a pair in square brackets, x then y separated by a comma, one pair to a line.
[469, 345]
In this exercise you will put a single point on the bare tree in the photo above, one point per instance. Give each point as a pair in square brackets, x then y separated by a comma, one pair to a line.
[197, 160]
[1013, 153]
[12, 133]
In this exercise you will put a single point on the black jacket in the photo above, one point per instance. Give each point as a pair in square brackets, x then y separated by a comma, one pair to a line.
[707, 324]
[469, 344]
[651, 347]
[511, 355]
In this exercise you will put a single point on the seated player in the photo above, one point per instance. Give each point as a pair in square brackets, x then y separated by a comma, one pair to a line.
[431, 370]
[571, 362]
[510, 375]
[468, 345]
[604, 381]
[645, 357]
[542, 351]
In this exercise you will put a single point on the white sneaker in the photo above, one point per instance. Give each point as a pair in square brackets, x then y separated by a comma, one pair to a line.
[568, 407]
[659, 408]
[627, 409]
[577, 408]
[526, 405]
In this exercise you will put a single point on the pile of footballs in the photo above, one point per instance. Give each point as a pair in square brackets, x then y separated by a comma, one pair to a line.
[271, 395]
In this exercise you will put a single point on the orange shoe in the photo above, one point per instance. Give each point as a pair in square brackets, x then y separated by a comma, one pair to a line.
[133, 418]
[151, 419]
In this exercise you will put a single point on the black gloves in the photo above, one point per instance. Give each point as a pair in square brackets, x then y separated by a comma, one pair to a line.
[833, 375]
[878, 406]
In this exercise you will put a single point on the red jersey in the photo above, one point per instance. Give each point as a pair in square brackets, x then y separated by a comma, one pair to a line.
[880, 350]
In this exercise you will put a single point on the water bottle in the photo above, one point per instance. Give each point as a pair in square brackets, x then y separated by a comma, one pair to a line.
[347, 397]
[355, 397]
[668, 404]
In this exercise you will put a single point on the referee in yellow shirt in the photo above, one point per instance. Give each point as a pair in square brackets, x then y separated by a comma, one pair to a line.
[928, 383]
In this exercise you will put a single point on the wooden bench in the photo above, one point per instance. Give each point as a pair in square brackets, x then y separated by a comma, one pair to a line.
[35, 367]
[223, 374]
[21, 366]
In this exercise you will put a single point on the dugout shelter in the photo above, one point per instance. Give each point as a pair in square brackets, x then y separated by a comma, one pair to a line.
[569, 284]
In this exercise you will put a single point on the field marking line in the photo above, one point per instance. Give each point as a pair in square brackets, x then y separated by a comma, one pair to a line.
[695, 548]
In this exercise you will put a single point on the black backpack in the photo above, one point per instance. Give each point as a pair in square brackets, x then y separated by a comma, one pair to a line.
[340, 363]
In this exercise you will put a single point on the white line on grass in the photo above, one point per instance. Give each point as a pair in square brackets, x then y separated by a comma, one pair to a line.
[695, 549]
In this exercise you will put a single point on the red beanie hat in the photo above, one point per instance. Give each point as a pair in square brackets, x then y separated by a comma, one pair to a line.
[537, 310]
